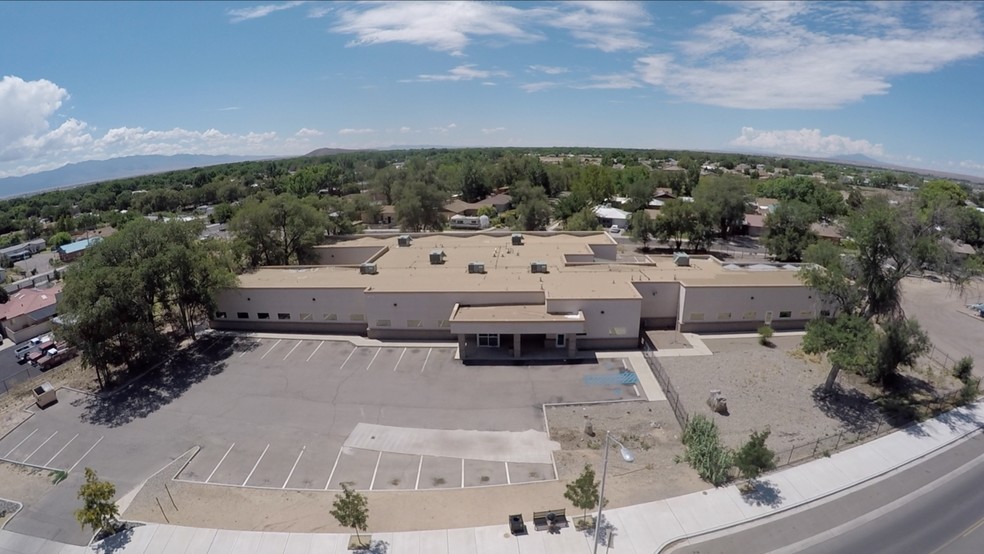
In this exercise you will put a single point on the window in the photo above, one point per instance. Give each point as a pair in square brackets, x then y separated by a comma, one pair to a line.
[488, 341]
[824, 313]
[262, 315]
[561, 340]
[696, 317]
[617, 331]
[305, 317]
[414, 323]
[220, 315]
[724, 315]
[358, 317]
[382, 323]
[749, 315]
[443, 323]
[283, 316]
[806, 314]
[331, 317]
[785, 315]
[242, 315]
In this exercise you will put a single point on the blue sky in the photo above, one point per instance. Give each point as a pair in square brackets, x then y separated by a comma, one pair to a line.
[900, 82]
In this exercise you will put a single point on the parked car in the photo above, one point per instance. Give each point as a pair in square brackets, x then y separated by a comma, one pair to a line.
[22, 351]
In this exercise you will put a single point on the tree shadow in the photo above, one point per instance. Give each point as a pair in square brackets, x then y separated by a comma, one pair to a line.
[954, 420]
[375, 547]
[116, 542]
[763, 493]
[161, 385]
[851, 407]
[607, 531]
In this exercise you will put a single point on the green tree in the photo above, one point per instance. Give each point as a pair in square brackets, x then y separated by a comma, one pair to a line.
[583, 491]
[941, 193]
[964, 369]
[531, 207]
[583, 220]
[641, 228]
[849, 342]
[726, 199]
[279, 231]
[98, 511]
[702, 228]
[787, 231]
[474, 185]
[675, 222]
[59, 239]
[32, 228]
[640, 193]
[418, 206]
[351, 509]
[223, 212]
[755, 458]
[901, 343]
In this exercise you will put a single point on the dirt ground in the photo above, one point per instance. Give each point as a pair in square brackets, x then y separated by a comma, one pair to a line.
[70, 374]
[23, 484]
[955, 330]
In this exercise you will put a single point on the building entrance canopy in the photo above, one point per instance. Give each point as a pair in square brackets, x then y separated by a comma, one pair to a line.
[513, 319]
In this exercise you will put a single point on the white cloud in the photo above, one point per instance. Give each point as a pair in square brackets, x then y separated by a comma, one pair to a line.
[307, 133]
[229, 109]
[319, 11]
[349, 131]
[805, 142]
[465, 72]
[25, 107]
[405, 130]
[607, 26]
[549, 69]
[242, 14]
[442, 26]
[774, 55]
[444, 130]
[539, 86]
[493, 130]
[614, 81]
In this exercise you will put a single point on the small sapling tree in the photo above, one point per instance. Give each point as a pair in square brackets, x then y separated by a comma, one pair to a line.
[98, 511]
[351, 509]
[583, 491]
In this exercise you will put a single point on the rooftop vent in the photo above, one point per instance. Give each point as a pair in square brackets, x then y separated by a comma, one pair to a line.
[517, 239]
[368, 269]
[404, 240]
[681, 259]
[437, 257]
[476, 267]
[538, 267]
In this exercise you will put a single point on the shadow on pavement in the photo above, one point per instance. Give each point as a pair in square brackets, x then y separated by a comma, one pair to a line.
[117, 542]
[764, 493]
[161, 385]
[607, 534]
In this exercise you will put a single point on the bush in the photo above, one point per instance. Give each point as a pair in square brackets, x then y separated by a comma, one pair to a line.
[765, 333]
[755, 458]
[704, 451]
[964, 368]
[968, 393]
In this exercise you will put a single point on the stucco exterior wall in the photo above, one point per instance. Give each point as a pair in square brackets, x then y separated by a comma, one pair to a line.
[304, 306]
[747, 307]
[605, 318]
[431, 310]
[659, 300]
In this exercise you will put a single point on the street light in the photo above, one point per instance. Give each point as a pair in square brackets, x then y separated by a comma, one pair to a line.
[629, 457]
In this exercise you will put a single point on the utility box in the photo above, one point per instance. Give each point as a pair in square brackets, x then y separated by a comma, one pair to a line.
[476, 267]
[538, 267]
[681, 259]
[45, 395]
[403, 240]
[437, 257]
[517, 239]
[368, 269]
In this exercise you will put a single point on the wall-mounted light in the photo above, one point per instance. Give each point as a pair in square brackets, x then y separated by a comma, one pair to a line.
[394, 304]
[753, 298]
[602, 311]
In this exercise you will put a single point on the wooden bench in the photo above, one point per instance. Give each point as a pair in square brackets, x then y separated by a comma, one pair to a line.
[550, 520]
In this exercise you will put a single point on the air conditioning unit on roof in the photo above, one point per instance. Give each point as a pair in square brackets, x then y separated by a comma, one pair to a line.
[476, 267]
[404, 240]
[368, 269]
[538, 267]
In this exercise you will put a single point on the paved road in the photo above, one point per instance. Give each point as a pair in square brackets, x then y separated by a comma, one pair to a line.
[924, 524]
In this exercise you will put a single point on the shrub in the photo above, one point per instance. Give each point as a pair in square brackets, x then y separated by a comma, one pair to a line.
[755, 458]
[963, 369]
[765, 333]
[704, 451]
[968, 393]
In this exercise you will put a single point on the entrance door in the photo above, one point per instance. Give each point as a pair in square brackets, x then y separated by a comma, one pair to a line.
[561, 341]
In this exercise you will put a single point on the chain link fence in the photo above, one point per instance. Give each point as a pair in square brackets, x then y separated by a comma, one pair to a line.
[648, 351]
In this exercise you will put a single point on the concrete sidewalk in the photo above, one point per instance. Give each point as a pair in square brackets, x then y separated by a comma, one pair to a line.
[641, 529]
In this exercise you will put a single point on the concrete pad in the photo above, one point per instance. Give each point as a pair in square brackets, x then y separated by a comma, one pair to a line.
[15, 543]
[180, 539]
[396, 472]
[816, 478]
[647, 381]
[750, 505]
[313, 469]
[201, 540]
[248, 542]
[529, 473]
[435, 542]
[299, 543]
[408, 542]
[704, 510]
[645, 535]
[481, 473]
[354, 466]
[275, 466]
[141, 538]
[461, 540]
[440, 473]
[860, 463]
[273, 542]
[504, 446]
[158, 543]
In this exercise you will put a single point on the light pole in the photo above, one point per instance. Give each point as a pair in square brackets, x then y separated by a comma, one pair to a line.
[628, 456]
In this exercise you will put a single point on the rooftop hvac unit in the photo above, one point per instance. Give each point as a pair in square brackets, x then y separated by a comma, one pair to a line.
[517, 239]
[437, 257]
[538, 267]
[403, 240]
[368, 269]
[681, 259]
[476, 267]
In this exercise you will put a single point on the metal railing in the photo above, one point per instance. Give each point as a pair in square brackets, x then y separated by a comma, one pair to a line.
[672, 396]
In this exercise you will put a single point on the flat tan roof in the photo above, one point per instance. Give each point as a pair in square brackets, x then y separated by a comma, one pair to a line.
[507, 268]
[511, 313]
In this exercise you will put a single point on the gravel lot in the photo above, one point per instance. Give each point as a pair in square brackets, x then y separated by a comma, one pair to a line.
[22, 484]
[942, 311]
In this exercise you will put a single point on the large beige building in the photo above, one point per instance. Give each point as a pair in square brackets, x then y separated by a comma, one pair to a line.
[543, 292]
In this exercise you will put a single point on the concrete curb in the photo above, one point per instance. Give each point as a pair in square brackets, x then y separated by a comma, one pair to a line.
[11, 517]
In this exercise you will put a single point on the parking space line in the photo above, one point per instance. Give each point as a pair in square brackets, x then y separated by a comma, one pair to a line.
[39, 448]
[332, 474]
[292, 350]
[400, 360]
[420, 466]
[209, 478]
[20, 443]
[289, 475]
[315, 350]
[462, 473]
[373, 358]
[349, 357]
[508, 480]
[86, 454]
[48, 463]
[260, 459]
[375, 470]
[271, 348]
[425, 359]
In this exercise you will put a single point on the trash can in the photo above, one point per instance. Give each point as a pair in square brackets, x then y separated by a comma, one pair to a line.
[516, 525]
[45, 395]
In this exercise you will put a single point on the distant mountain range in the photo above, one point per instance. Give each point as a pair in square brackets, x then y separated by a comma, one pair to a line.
[94, 171]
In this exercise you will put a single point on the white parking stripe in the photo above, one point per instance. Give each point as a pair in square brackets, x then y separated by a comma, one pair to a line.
[48, 463]
[375, 470]
[347, 359]
[292, 350]
[420, 466]
[462, 473]
[400, 360]
[39, 448]
[425, 360]
[373, 358]
[260, 459]
[294, 467]
[508, 480]
[220, 463]
[332, 474]
[271, 348]
[86, 454]
[315, 350]
[20, 443]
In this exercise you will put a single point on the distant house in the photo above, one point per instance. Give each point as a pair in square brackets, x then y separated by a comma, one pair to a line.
[22, 251]
[501, 202]
[75, 250]
[612, 217]
[664, 194]
[28, 313]
[766, 205]
[459, 207]
[387, 214]
[754, 225]
[960, 249]
[827, 231]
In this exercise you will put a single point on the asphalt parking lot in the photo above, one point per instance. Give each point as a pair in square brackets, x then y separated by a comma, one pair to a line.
[276, 413]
